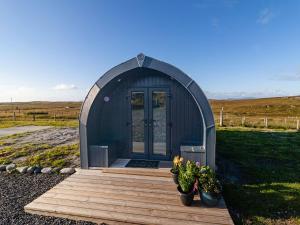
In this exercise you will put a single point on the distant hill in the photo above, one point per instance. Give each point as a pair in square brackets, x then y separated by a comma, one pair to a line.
[271, 107]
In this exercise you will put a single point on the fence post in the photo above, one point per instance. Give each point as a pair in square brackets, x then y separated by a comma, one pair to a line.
[285, 124]
[14, 116]
[266, 122]
[298, 125]
[243, 121]
[221, 117]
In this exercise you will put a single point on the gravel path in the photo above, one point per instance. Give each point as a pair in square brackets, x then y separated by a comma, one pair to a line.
[17, 130]
[17, 190]
[52, 136]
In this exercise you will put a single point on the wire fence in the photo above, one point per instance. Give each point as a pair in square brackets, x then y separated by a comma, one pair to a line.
[258, 121]
[222, 119]
[35, 116]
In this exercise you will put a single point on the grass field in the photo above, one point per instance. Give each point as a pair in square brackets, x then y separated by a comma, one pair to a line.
[267, 165]
[282, 113]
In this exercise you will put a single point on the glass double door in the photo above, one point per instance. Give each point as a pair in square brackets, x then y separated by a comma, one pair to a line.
[149, 120]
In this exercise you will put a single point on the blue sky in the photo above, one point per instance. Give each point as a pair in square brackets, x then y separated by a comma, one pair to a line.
[56, 50]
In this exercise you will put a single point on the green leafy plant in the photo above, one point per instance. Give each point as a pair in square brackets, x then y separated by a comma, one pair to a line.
[208, 181]
[186, 177]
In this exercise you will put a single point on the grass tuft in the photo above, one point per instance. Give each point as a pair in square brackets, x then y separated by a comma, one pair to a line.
[56, 157]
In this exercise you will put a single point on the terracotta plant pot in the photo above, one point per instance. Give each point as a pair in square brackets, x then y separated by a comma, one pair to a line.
[209, 199]
[186, 198]
[175, 177]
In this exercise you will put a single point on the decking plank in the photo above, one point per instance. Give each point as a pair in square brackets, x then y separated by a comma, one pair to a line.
[116, 190]
[117, 198]
[121, 187]
[125, 182]
[106, 193]
[78, 218]
[114, 195]
[109, 206]
[130, 176]
[133, 203]
[139, 171]
[110, 215]
[124, 195]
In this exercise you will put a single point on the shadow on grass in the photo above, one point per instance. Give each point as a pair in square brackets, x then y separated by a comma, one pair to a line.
[261, 175]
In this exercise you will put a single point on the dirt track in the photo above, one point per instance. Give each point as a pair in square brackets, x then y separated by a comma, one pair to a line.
[17, 130]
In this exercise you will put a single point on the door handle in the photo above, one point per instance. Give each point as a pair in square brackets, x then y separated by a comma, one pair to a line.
[145, 122]
[152, 121]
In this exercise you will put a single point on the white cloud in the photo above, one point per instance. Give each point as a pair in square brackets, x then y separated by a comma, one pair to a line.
[23, 93]
[64, 87]
[265, 16]
[24, 89]
[16, 93]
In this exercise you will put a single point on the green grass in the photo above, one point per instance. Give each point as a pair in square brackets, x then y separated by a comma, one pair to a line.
[269, 163]
[56, 157]
[58, 123]
[42, 154]
[10, 153]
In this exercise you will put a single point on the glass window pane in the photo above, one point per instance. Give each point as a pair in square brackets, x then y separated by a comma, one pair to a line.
[137, 113]
[159, 109]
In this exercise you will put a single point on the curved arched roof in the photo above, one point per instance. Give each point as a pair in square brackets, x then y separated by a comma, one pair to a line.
[151, 63]
[142, 61]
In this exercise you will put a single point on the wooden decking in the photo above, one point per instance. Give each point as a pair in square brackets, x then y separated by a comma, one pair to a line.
[124, 196]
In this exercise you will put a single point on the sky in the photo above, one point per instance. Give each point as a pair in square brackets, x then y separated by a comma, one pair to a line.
[56, 50]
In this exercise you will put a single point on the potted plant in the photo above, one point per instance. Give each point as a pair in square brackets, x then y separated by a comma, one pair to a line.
[177, 161]
[209, 187]
[186, 179]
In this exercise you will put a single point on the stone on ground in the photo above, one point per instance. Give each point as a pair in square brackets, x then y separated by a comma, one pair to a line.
[10, 168]
[37, 170]
[2, 168]
[31, 169]
[22, 169]
[67, 171]
[47, 170]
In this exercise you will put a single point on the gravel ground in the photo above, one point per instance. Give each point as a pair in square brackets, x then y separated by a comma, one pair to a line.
[17, 130]
[17, 190]
[52, 136]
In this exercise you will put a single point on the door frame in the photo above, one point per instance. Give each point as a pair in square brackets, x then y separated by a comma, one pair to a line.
[132, 154]
[151, 130]
[148, 130]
